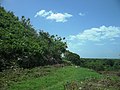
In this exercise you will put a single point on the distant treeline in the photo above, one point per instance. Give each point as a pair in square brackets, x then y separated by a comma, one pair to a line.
[101, 64]
[96, 64]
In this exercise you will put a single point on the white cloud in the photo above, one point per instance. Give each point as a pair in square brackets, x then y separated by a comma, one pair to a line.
[82, 14]
[58, 17]
[96, 42]
[43, 13]
[97, 34]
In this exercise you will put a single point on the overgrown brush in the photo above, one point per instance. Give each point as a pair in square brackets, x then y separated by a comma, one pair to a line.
[106, 83]
[11, 76]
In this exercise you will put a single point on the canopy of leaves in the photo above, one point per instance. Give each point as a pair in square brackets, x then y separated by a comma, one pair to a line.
[22, 46]
[73, 57]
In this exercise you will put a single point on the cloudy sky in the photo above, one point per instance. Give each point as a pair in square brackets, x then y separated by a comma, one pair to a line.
[91, 27]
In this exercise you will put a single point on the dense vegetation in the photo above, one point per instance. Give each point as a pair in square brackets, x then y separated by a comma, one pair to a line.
[57, 78]
[25, 52]
[22, 46]
[45, 78]
[92, 63]
[101, 64]
[72, 57]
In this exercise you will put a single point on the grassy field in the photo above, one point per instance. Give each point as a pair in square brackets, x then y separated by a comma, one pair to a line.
[51, 78]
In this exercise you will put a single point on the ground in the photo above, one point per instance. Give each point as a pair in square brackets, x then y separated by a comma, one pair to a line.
[57, 78]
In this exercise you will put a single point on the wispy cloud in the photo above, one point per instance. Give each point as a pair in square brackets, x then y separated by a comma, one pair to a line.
[97, 34]
[82, 14]
[58, 17]
[92, 41]
[43, 13]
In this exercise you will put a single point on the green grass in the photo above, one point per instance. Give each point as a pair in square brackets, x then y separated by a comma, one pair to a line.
[55, 79]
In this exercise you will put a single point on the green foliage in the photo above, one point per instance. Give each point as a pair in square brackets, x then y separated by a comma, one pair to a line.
[71, 86]
[101, 64]
[45, 78]
[73, 57]
[116, 65]
[104, 83]
[96, 65]
[22, 46]
[11, 76]
[54, 78]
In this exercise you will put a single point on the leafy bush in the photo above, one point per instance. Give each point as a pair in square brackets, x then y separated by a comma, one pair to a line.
[73, 57]
[22, 46]
[101, 64]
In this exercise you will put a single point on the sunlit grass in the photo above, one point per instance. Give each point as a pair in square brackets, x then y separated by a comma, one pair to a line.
[56, 80]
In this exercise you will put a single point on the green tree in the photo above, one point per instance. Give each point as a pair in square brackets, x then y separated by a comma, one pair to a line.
[73, 57]
[22, 46]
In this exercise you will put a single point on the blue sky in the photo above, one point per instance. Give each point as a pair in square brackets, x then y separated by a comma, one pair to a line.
[91, 27]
